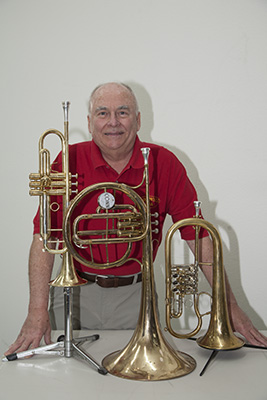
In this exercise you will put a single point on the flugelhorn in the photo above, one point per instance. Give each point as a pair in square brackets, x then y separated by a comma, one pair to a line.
[47, 183]
[182, 281]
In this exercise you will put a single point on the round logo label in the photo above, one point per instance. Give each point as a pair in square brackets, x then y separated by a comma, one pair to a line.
[106, 200]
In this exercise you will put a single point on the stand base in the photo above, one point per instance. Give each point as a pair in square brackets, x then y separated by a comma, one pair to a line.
[59, 348]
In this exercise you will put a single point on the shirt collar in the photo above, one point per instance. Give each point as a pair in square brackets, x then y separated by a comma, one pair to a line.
[96, 156]
[136, 160]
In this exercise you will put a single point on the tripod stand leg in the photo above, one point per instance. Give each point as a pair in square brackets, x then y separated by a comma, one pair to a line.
[212, 356]
[82, 353]
[53, 348]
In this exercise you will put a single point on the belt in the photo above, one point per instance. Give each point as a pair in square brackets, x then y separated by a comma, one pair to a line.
[108, 281]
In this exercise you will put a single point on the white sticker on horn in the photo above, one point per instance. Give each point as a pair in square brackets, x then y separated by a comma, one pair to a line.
[106, 200]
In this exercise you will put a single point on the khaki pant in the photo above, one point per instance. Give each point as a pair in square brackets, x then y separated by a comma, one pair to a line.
[95, 307]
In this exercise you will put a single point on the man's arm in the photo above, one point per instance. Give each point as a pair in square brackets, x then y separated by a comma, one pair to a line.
[239, 320]
[37, 324]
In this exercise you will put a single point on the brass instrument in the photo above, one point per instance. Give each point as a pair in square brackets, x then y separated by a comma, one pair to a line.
[45, 184]
[148, 356]
[131, 225]
[49, 183]
[219, 335]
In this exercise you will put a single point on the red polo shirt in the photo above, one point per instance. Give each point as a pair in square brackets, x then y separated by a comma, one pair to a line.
[171, 192]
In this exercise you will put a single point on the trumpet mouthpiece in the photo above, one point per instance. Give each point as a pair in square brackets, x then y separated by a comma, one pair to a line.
[66, 105]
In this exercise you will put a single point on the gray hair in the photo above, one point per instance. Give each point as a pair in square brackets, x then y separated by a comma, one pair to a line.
[90, 103]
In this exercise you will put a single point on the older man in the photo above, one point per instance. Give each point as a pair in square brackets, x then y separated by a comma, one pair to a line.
[113, 155]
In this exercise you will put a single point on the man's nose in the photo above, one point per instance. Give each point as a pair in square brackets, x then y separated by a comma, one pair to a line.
[113, 120]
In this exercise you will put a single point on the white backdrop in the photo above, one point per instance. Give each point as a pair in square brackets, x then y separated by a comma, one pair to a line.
[199, 69]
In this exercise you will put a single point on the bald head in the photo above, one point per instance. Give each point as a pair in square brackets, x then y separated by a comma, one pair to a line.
[116, 88]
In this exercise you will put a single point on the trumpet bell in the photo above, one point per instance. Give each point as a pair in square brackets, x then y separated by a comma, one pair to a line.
[63, 280]
[68, 276]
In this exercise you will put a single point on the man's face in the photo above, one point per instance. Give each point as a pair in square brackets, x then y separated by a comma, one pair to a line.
[113, 122]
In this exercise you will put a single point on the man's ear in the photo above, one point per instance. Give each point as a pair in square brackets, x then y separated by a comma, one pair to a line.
[138, 119]
[89, 123]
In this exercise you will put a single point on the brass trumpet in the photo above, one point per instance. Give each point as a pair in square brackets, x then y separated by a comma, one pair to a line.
[219, 335]
[47, 183]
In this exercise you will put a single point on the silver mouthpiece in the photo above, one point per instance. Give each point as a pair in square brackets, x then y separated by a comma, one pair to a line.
[145, 151]
[66, 105]
[197, 205]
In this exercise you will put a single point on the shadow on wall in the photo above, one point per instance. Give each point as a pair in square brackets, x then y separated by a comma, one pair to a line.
[230, 253]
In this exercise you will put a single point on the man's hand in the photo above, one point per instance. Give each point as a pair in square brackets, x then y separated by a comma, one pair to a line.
[243, 325]
[239, 320]
[35, 327]
[37, 324]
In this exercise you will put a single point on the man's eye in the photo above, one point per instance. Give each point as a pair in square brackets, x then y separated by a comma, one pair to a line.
[123, 113]
[102, 113]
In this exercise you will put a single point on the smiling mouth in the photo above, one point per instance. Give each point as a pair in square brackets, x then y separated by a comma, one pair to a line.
[113, 133]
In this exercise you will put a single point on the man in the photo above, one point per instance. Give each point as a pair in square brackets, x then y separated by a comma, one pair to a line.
[113, 155]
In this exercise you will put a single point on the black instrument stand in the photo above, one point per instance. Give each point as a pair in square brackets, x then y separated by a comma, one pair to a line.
[214, 353]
